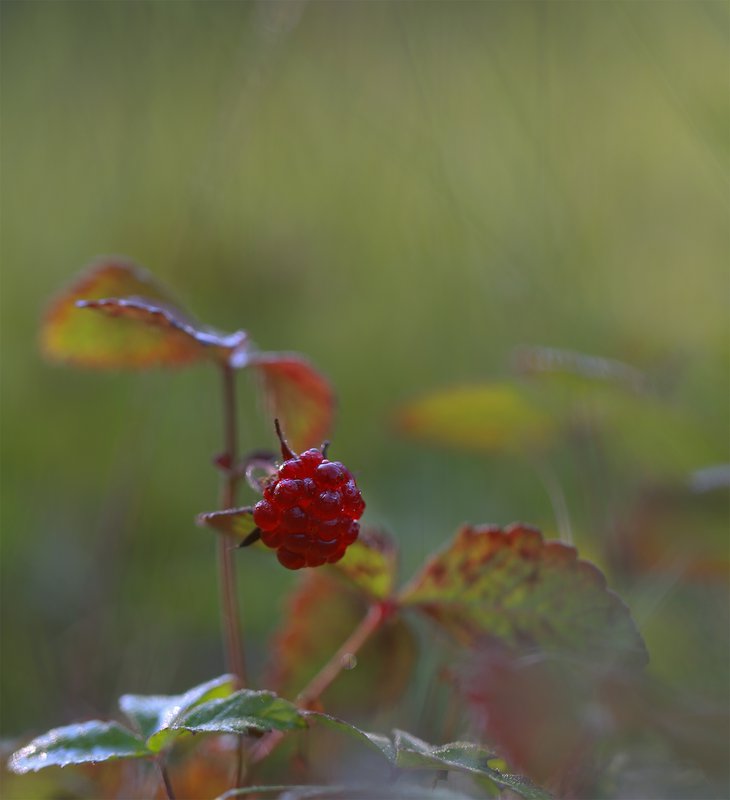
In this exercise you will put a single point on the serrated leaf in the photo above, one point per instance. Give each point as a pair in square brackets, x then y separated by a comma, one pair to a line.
[512, 585]
[376, 741]
[185, 341]
[320, 615]
[239, 713]
[371, 564]
[488, 417]
[86, 742]
[295, 392]
[355, 791]
[414, 753]
[406, 751]
[154, 715]
[116, 315]
[576, 369]
[234, 522]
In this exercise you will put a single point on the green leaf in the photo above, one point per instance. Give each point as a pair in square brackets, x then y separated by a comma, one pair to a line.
[371, 564]
[239, 713]
[234, 522]
[512, 585]
[154, 715]
[295, 392]
[86, 742]
[320, 615]
[483, 417]
[116, 315]
[376, 741]
[355, 791]
[408, 752]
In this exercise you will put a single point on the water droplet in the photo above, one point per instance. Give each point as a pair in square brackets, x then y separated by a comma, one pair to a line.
[349, 661]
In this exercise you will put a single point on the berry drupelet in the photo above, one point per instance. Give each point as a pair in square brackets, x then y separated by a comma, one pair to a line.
[310, 508]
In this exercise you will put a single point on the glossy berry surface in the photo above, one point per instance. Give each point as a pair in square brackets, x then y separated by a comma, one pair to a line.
[310, 509]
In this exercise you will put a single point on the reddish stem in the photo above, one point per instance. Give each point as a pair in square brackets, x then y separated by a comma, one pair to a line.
[376, 616]
[226, 573]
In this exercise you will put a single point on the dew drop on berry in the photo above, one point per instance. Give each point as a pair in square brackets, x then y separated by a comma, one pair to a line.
[288, 493]
[327, 547]
[327, 505]
[271, 538]
[350, 531]
[311, 459]
[290, 560]
[294, 520]
[330, 474]
[296, 542]
[315, 559]
[265, 515]
[293, 468]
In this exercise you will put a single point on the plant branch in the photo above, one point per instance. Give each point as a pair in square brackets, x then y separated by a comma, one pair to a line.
[376, 616]
[226, 573]
[166, 780]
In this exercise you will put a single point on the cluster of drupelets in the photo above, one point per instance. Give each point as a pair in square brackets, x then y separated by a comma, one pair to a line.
[309, 510]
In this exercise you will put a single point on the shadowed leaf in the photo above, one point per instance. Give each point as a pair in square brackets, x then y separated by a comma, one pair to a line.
[371, 564]
[239, 713]
[319, 616]
[296, 393]
[512, 585]
[486, 417]
[353, 791]
[405, 751]
[92, 741]
[153, 715]
[115, 315]
[235, 522]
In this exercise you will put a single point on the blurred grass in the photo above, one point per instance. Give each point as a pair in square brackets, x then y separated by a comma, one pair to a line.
[404, 191]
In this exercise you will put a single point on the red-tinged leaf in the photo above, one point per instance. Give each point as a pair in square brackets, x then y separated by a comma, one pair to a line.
[319, 616]
[483, 417]
[542, 713]
[512, 585]
[296, 393]
[371, 564]
[115, 315]
[235, 522]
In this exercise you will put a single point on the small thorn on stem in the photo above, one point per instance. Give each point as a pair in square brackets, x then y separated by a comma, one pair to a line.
[286, 451]
[254, 536]
[325, 447]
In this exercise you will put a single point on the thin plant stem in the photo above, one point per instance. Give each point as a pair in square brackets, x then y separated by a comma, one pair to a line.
[377, 614]
[226, 572]
[166, 780]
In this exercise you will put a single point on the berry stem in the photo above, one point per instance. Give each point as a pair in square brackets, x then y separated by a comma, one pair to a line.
[376, 616]
[169, 793]
[323, 679]
[227, 577]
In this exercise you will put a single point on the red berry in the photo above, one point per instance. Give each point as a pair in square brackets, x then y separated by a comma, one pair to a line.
[309, 511]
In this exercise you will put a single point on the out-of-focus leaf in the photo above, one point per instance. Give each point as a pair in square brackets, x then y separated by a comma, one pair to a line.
[676, 531]
[378, 741]
[235, 522]
[371, 564]
[295, 392]
[406, 751]
[239, 713]
[533, 708]
[354, 791]
[512, 585]
[488, 417]
[576, 369]
[115, 315]
[153, 715]
[319, 617]
[92, 741]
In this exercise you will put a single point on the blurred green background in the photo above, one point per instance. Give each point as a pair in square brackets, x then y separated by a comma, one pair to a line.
[403, 191]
